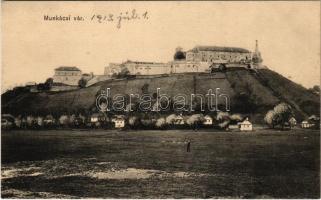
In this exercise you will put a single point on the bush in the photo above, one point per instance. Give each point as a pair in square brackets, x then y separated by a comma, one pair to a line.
[64, 120]
[195, 120]
[31, 121]
[170, 119]
[18, 122]
[40, 122]
[161, 122]
[279, 116]
[222, 116]
[82, 83]
[133, 122]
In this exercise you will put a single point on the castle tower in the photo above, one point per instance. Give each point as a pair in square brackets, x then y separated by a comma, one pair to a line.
[256, 58]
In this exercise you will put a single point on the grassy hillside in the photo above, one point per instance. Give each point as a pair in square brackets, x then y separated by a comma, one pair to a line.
[250, 92]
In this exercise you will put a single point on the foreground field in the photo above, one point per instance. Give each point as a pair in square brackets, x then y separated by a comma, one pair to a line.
[155, 164]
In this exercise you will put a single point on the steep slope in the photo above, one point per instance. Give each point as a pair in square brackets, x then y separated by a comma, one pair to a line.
[251, 92]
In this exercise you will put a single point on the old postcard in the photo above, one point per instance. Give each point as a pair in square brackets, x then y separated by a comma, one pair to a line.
[150, 99]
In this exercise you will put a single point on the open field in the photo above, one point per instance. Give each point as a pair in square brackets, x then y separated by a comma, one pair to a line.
[155, 164]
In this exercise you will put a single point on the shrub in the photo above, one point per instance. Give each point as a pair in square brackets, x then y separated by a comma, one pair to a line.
[222, 116]
[269, 118]
[18, 122]
[161, 122]
[82, 83]
[40, 122]
[170, 119]
[279, 116]
[64, 120]
[146, 122]
[31, 121]
[133, 122]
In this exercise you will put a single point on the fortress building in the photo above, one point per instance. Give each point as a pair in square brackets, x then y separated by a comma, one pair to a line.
[138, 68]
[214, 54]
[198, 59]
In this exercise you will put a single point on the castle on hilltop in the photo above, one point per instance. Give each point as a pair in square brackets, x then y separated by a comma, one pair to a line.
[198, 59]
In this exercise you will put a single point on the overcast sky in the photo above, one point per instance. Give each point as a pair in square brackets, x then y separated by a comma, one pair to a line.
[288, 35]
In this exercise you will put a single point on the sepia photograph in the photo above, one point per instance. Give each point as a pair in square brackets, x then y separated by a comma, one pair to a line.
[160, 100]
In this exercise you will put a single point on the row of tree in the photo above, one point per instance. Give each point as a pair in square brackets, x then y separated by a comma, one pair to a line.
[137, 121]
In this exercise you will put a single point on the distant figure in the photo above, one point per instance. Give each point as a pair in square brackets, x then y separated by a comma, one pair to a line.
[188, 146]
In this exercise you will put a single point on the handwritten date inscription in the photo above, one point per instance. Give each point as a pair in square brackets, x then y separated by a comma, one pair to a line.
[127, 16]
[117, 19]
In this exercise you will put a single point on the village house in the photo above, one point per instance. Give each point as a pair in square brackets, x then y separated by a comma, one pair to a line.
[246, 125]
[307, 124]
[97, 117]
[119, 121]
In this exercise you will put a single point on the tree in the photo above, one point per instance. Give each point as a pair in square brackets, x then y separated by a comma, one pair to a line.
[315, 89]
[195, 120]
[222, 67]
[280, 115]
[170, 119]
[269, 118]
[179, 55]
[48, 84]
[133, 121]
[82, 83]
[161, 122]
[124, 73]
[145, 88]
[64, 120]
[235, 118]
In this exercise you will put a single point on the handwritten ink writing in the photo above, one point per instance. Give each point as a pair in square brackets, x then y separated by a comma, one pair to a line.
[119, 18]
[115, 18]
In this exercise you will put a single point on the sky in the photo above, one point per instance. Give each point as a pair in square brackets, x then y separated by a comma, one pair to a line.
[288, 35]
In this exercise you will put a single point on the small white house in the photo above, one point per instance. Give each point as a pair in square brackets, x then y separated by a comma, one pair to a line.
[306, 124]
[246, 125]
[94, 118]
[119, 122]
[292, 121]
[208, 120]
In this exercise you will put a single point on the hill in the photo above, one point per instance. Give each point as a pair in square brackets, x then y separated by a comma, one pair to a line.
[251, 92]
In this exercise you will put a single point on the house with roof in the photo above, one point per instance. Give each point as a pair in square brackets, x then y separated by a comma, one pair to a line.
[119, 121]
[97, 117]
[307, 124]
[246, 125]
[67, 75]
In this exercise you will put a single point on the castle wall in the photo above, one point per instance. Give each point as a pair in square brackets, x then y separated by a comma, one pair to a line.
[215, 56]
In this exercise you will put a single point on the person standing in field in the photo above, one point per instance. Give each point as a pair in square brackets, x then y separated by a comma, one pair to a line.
[188, 148]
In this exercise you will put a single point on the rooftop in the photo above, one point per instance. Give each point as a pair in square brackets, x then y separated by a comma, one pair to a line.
[141, 62]
[221, 49]
[66, 68]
